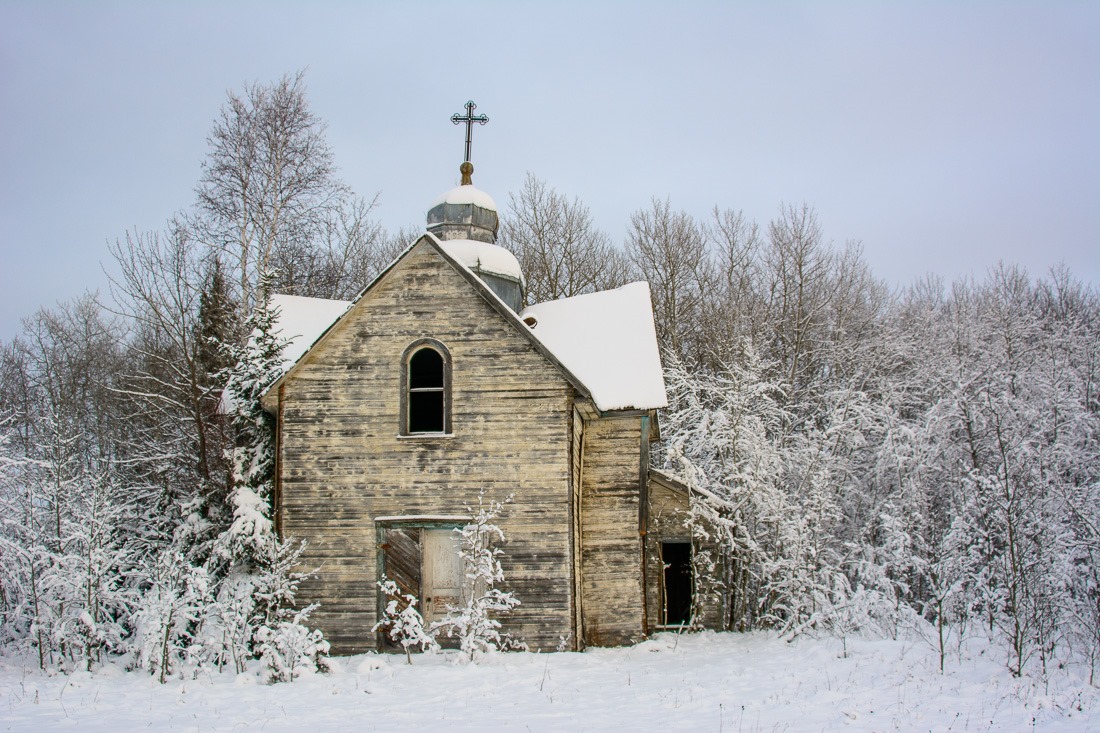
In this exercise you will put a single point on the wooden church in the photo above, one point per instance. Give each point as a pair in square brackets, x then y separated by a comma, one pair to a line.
[434, 384]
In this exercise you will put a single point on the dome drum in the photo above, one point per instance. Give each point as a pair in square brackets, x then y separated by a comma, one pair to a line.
[463, 221]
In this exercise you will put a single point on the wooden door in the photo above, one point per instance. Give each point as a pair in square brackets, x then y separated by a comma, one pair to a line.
[442, 574]
[401, 563]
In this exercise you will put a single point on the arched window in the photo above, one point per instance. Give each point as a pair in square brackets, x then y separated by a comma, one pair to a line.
[426, 389]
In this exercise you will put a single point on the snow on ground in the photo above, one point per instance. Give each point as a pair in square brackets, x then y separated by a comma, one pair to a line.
[705, 682]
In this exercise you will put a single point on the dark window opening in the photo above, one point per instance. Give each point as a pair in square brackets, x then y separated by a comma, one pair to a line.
[426, 412]
[678, 582]
[426, 370]
[426, 392]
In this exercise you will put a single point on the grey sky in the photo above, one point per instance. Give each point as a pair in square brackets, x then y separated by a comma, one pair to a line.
[943, 136]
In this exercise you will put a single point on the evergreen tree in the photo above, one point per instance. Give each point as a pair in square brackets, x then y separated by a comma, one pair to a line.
[256, 365]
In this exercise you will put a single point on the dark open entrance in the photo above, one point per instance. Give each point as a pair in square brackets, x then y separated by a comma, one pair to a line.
[676, 557]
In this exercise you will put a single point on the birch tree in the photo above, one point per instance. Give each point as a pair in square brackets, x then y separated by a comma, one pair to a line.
[268, 189]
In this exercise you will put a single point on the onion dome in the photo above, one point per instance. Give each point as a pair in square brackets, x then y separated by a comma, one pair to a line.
[465, 220]
[464, 212]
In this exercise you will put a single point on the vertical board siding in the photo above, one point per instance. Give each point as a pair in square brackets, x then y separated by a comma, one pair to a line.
[342, 462]
[611, 549]
[577, 451]
[401, 564]
[401, 558]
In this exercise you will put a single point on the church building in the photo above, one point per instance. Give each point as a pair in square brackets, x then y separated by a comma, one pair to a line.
[435, 384]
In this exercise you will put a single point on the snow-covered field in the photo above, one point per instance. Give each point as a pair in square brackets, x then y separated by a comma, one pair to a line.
[699, 682]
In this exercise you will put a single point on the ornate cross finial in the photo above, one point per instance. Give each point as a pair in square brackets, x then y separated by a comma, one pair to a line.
[467, 167]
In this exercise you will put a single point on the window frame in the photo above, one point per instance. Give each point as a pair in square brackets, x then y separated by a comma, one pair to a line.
[406, 365]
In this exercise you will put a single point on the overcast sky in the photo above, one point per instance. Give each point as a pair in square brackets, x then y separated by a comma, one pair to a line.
[943, 136]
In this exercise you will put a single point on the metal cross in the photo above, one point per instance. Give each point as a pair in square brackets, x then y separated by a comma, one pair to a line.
[469, 119]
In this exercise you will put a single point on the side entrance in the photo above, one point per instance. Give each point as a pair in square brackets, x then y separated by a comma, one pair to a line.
[678, 586]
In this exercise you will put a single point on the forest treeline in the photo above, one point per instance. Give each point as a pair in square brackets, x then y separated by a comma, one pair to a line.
[860, 459]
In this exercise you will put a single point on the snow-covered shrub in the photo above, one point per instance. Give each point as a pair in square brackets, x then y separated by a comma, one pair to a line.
[252, 615]
[169, 611]
[472, 623]
[228, 623]
[402, 622]
[288, 649]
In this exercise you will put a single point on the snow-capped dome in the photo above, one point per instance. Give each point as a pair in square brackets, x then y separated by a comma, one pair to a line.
[468, 194]
[464, 212]
[465, 221]
[484, 257]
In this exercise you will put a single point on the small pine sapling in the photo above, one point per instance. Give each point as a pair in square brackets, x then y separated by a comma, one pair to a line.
[471, 623]
[287, 648]
[402, 622]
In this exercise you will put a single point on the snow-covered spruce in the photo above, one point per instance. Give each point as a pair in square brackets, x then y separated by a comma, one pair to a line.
[257, 601]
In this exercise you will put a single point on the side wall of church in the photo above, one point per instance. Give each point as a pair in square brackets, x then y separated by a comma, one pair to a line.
[612, 595]
[343, 462]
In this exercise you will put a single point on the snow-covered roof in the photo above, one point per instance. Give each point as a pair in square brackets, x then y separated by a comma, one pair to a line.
[608, 341]
[302, 321]
[483, 257]
[466, 195]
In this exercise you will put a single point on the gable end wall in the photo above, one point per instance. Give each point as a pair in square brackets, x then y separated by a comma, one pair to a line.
[342, 462]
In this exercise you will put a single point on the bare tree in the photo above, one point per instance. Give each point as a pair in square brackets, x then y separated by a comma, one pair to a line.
[669, 250]
[732, 313]
[798, 265]
[163, 286]
[346, 253]
[560, 250]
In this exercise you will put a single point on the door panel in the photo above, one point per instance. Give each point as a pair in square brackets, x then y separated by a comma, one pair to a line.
[442, 575]
[401, 559]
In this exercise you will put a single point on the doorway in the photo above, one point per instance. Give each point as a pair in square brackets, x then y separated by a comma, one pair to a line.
[424, 563]
[678, 590]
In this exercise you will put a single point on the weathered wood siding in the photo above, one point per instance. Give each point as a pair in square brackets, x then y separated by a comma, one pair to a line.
[611, 546]
[576, 643]
[343, 463]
